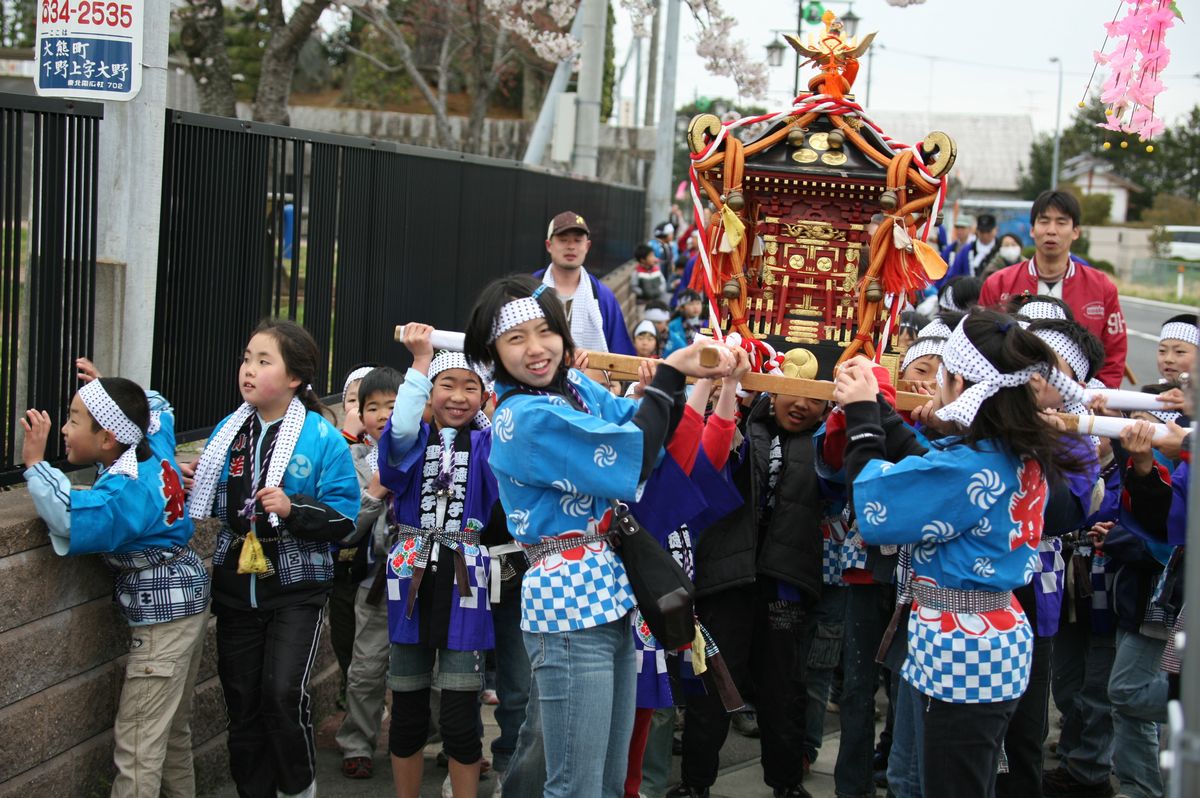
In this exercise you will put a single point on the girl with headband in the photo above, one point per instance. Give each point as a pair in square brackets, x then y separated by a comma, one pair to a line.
[973, 507]
[279, 477]
[134, 518]
[562, 448]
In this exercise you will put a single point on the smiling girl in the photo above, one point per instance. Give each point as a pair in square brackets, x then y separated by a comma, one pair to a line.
[279, 477]
[563, 447]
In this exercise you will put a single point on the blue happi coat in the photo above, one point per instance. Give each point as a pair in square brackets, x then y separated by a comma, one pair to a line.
[979, 531]
[403, 466]
[557, 468]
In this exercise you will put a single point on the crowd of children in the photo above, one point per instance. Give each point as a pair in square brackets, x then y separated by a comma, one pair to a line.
[974, 556]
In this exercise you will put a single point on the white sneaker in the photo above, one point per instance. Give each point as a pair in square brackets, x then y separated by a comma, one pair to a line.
[447, 788]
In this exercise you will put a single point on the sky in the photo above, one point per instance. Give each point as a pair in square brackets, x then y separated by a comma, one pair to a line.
[975, 56]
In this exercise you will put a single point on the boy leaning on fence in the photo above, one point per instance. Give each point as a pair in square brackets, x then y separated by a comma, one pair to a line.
[134, 518]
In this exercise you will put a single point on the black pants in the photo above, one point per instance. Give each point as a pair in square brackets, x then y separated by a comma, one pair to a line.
[868, 610]
[1027, 730]
[765, 645]
[264, 659]
[962, 747]
[341, 615]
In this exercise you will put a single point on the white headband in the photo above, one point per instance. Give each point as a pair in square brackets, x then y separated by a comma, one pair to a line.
[517, 312]
[946, 300]
[355, 375]
[645, 326]
[111, 417]
[656, 315]
[1067, 349]
[935, 329]
[1041, 311]
[1180, 331]
[959, 356]
[446, 360]
[922, 347]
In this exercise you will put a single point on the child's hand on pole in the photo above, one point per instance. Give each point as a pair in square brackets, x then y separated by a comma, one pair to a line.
[37, 432]
[87, 370]
[417, 340]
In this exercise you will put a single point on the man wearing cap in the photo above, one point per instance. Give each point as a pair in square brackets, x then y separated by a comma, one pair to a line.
[1053, 271]
[594, 314]
[974, 258]
[964, 234]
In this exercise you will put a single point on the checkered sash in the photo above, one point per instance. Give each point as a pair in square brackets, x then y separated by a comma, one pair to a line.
[159, 585]
[948, 599]
[428, 539]
[537, 552]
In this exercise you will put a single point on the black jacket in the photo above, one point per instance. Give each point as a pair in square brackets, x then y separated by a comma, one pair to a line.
[786, 545]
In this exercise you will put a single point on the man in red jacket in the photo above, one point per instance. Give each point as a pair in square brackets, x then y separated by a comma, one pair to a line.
[1093, 298]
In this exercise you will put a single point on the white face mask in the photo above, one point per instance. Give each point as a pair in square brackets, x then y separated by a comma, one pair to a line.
[1010, 253]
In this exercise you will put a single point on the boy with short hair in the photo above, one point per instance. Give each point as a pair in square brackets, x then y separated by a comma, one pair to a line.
[366, 681]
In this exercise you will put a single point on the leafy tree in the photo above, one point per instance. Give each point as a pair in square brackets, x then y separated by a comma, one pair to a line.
[18, 23]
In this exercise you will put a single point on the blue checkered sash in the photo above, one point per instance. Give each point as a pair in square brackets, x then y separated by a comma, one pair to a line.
[159, 585]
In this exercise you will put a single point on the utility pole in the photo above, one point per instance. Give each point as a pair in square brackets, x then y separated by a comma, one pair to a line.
[1057, 125]
[127, 224]
[1185, 776]
[544, 126]
[585, 159]
[658, 195]
[652, 65]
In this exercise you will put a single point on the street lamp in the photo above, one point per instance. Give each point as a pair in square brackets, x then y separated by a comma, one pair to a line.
[775, 51]
[1057, 125]
[850, 22]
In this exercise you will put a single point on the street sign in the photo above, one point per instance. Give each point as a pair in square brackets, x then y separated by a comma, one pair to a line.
[89, 49]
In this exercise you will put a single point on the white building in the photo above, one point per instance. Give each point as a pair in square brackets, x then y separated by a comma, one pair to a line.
[1095, 176]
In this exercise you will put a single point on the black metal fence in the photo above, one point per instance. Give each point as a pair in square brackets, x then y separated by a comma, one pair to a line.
[349, 237]
[49, 154]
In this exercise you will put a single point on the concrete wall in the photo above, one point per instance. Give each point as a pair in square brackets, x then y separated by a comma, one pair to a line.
[1120, 246]
[63, 646]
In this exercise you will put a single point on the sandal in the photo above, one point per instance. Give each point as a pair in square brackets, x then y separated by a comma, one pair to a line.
[358, 767]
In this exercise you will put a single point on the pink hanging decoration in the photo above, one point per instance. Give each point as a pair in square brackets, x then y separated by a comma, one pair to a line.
[1135, 66]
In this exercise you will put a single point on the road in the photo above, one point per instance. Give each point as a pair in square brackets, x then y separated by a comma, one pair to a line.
[1144, 318]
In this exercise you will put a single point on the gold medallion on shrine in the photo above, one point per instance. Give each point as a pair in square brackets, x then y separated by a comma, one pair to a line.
[833, 158]
[804, 156]
[819, 141]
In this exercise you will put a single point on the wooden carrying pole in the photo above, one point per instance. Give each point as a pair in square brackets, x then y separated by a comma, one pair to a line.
[626, 367]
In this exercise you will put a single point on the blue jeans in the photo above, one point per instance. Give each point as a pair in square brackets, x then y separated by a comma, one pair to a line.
[906, 762]
[525, 776]
[1137, 689]
[868, 610]
[587, 691]
[1083, 662]
[512, 680]
[823, 659]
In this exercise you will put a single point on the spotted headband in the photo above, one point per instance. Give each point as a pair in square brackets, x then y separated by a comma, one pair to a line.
[1041, 311]
[959, 356]
[1067, 349]
[1180, 331]
[517, 312]
[922, 347]
[109, 415]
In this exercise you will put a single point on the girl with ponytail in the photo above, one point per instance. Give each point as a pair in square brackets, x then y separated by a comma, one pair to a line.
[279, 477]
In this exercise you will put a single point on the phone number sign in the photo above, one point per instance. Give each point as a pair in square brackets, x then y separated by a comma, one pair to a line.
[89, 49]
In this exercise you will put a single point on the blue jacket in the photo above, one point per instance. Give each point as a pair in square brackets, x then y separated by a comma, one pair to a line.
[615, 333]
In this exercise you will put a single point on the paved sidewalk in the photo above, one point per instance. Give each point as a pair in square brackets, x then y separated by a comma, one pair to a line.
[740, 778]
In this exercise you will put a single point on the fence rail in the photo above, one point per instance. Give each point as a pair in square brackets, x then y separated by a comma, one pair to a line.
[347, 236]
[49, 155]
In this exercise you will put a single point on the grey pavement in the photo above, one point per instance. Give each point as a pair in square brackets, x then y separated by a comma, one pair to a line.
[1144, 318]
[740, 774]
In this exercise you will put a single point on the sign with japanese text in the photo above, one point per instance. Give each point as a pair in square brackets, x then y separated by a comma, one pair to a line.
[89, 49]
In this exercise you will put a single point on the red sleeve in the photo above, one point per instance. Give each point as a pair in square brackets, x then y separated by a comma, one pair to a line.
[685, 443]
[717, 438]
[1115, 340]
[989, 295]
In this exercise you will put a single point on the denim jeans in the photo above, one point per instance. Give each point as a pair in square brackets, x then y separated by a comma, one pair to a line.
[587, 692]
[525, 776]
[823, 659]
[868, 610]
[512, 679]
[1138, 691]
[1083, 662]
[906, 763]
